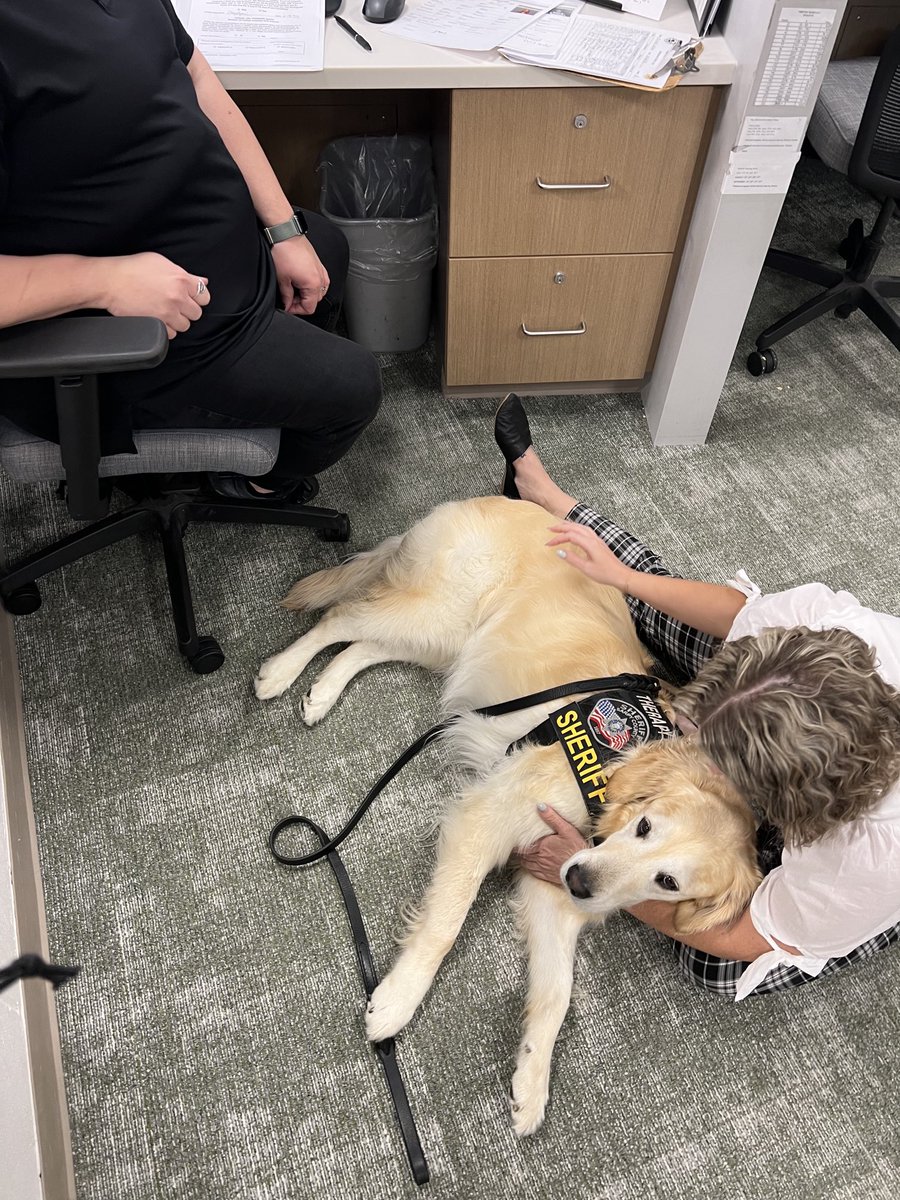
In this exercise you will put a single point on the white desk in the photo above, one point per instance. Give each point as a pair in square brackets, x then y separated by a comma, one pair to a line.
[395, 63]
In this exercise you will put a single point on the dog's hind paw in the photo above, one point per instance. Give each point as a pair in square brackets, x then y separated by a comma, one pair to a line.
[273, 680]
[527, 1117]
[527, 1103]
[313, 710]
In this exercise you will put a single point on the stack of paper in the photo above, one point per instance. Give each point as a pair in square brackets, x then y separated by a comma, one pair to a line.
[607, 49]
[466, 24]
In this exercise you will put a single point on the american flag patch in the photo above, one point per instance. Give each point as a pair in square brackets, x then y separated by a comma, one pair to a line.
[609, 726]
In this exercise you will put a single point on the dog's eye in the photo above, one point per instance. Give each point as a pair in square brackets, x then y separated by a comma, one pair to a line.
[667, 882]
[643, 827]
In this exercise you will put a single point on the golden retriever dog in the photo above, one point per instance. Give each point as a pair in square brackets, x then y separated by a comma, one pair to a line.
[473, 592]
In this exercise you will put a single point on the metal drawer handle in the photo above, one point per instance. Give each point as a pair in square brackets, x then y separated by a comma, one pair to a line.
[582, 328]
[573, 187]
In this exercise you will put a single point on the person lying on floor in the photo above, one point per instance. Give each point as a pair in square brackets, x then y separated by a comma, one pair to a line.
[130, 182]
[793, 697]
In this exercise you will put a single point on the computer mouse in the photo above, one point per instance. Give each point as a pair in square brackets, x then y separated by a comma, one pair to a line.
[382, 11]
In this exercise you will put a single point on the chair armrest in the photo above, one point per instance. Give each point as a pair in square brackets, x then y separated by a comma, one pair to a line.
[74, 351]
[81, 346]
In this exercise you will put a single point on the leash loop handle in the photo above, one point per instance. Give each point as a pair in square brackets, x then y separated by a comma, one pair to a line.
[306, 860]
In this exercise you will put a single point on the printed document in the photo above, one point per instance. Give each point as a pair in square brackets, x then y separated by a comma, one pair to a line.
[651, 9]
[796, 53]
[257, 35]
[544, 38]
[466, 24]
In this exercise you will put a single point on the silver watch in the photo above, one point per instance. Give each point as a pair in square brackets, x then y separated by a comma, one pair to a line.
[295, 227]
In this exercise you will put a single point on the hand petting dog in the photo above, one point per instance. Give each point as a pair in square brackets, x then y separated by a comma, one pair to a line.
[544, 858]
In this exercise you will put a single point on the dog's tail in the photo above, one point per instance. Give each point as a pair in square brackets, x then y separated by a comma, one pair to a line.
[345, 582]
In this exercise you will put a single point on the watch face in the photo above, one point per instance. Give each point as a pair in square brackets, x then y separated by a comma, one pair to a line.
[298, 217]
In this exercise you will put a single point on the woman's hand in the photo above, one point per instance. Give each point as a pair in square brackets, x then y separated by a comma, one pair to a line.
[302, 280]
[149, 285]
[596, 561]
[544, 858]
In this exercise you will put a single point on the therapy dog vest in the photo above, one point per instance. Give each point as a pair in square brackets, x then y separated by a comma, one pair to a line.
[597, 729]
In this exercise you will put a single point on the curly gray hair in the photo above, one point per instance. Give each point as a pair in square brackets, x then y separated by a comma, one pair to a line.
[802, 723]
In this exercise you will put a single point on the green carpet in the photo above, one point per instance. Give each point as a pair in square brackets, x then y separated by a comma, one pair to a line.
[213, 1043]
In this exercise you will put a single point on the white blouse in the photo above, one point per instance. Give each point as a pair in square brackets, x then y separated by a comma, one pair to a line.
[828, 898]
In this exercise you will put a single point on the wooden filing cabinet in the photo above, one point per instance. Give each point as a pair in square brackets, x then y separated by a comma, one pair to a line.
[564, 212]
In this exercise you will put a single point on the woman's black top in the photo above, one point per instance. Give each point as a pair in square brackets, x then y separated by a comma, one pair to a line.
[104, 150]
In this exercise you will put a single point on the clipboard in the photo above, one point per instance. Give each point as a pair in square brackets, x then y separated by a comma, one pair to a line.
[683, 63]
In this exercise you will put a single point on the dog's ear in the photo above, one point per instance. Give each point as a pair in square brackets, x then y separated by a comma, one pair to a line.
[709, 912]
[635, 780]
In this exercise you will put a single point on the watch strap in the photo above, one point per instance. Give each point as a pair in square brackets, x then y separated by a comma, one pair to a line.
[295, 227]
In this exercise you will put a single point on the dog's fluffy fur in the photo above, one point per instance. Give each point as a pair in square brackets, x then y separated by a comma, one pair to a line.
[472, 592]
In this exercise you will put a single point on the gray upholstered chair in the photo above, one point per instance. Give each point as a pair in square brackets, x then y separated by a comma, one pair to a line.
[74, 351]
[855, 128]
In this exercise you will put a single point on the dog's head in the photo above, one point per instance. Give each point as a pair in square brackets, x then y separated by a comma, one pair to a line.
[673, 828]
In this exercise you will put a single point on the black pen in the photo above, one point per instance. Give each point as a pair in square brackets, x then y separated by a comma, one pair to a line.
[356, 36]
[613, 4]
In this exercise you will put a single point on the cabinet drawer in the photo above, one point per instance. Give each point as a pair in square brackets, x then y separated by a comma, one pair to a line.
[502, 142]
[616, 298]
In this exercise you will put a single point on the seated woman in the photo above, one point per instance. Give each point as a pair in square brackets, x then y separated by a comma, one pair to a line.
[131, 183]
[807, 727]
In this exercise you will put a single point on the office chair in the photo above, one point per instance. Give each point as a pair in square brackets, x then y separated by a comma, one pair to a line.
[74, 351]
[861, 137]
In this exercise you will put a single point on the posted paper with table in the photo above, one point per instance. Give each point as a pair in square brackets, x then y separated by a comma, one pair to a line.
[257, 35]
[795, 57]
[465, 24]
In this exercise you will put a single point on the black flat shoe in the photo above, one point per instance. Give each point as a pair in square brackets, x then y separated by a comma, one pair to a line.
[512, 435]
[237, 487]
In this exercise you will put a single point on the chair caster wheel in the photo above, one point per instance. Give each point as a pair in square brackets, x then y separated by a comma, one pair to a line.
[761, 362]
[339, 532]
[24, 600]
[208, 656]
[843, 311]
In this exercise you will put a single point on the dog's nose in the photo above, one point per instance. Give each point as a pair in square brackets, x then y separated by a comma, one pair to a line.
[576, 882]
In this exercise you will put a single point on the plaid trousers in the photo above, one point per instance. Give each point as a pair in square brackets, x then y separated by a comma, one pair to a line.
[682, 651]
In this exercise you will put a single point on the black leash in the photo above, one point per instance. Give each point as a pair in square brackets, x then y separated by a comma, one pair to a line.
[492, 710]
[32, 965]
[386, 1050]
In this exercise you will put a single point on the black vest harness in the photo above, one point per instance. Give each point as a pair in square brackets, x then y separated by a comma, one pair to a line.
[597, 729]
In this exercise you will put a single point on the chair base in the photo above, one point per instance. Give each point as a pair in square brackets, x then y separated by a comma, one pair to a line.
[855, 287]
[169, 514]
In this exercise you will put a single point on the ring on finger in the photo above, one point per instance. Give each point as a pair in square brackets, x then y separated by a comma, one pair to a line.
[201, 287]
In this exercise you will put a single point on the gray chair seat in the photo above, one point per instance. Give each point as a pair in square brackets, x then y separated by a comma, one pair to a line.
[30, 459]
[839, 108]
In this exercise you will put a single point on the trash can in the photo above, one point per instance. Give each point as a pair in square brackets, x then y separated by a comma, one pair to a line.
[380, 191]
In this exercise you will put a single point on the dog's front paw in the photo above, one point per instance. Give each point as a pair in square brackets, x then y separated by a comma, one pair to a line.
[390, 1007]
[528, 1099]
[274, 678]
